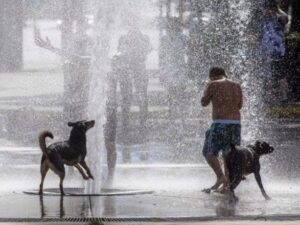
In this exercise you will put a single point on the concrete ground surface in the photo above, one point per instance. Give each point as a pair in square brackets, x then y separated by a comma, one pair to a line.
[177, 194]
[177, 187]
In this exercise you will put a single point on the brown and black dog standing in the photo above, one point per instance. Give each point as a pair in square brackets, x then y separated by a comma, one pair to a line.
[242, 161]
[71, 152]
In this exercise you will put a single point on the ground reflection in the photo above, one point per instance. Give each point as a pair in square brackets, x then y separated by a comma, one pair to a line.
[43, 209]
[88, 206]
[225, 208]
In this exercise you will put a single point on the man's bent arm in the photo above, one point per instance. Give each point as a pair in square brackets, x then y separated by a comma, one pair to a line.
[240, 98]
[205, 100]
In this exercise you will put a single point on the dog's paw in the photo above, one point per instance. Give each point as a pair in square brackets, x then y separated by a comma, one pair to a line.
[233, 199]
[206, 190]
[236, 199]
[267, 198]
[91, 176]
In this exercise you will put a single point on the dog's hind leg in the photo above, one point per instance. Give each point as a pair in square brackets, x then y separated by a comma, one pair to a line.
[258, 180]
[85, 166]
[59, 169]
[61, 207]
[44, 169]
[81, 171]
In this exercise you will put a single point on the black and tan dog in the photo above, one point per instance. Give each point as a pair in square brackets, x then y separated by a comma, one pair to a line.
[71, 152]
[242, 161]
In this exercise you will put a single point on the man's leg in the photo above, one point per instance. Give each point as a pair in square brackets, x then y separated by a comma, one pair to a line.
[126, 97]
[212, 146]
[141, 81]
[214, 163]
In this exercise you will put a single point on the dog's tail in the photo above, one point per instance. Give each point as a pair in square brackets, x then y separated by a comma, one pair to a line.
[42, 141]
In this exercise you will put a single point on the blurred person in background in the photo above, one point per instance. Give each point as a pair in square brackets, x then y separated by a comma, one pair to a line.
[133, 49]
[174, 69]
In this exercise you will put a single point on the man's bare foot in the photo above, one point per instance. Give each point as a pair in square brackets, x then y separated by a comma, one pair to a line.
[219, 182]
[224, 187]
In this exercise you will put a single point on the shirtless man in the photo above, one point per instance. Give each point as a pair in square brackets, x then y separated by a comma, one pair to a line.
[227, 100]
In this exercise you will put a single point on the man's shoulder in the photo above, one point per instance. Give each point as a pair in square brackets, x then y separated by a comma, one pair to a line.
[233, 82]
[224, 81]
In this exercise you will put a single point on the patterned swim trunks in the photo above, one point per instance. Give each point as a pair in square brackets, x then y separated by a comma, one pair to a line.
[219, 136]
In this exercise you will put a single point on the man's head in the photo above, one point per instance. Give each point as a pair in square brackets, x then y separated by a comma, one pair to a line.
[271, 4]
[270, 8]
[217, 73]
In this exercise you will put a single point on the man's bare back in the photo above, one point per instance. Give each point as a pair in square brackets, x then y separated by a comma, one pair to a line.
[226, 98]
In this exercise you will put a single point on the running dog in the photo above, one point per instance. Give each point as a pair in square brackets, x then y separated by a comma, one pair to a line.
[71, 152]
[242, 161]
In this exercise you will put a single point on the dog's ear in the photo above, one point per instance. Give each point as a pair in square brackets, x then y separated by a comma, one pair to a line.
[70, 124]
[257, 144]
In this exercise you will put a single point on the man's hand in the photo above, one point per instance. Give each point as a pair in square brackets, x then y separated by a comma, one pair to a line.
[43, 43]
[46, 44]
[40, 42]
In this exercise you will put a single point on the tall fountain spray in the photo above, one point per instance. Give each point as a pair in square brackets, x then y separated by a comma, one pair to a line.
[232, 43]
[112, 18]
[226, 42]
[99, 68]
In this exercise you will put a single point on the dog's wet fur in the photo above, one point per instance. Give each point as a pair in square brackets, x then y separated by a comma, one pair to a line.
[71, 152]
[242, 161]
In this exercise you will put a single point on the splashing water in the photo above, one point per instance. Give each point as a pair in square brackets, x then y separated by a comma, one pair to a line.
[112, 18]
[226, 43]
[96, 108]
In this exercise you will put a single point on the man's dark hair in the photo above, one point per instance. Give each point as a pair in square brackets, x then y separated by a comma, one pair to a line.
[217, 71]
[271, 4]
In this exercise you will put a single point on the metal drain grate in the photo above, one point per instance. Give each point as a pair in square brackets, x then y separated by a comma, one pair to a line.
[151, 219]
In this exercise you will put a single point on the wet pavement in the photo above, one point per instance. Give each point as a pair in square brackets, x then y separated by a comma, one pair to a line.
[177, 193]
[177, 187]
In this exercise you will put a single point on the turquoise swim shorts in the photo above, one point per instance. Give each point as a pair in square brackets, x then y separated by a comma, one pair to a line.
[219, 136]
